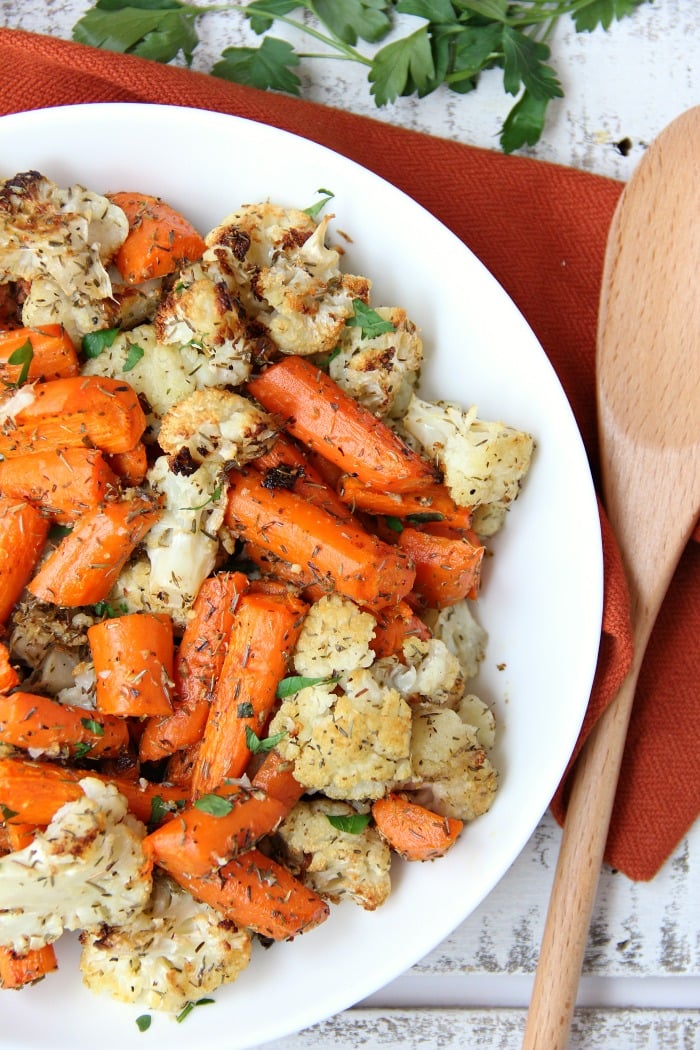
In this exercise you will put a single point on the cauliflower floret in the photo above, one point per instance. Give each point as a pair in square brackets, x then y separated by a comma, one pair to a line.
[482, 462]
[335, 638]
[463, 635]
[380, 372]
[63, 238]
[175, 951]
[157, 372]
[132, 593]
[209, 325]
[350, 740]
[216, 426]
[428, 671]
[87, 868]
[333, 862]
[288, 279]
[450, 762]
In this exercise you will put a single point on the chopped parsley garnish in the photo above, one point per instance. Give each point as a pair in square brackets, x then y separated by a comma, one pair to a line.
[314, 210]
[368, 321]
[95, 342]
[256, 746]
[189, 1007]
[133, 356]
[214, 805]
[352, 824]
[23, 356]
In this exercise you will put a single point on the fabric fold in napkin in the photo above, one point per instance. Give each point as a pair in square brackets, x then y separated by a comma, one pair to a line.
[541, 230]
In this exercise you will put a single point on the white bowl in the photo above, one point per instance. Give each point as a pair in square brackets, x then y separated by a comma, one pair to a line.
[542, 594]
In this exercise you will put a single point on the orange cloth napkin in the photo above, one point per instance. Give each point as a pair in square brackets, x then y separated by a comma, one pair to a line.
[541, 230]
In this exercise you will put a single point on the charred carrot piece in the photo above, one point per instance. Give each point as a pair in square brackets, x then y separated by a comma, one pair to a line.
[431, 504]
[262, 638]
[332, 423]
[275, 777]
[29, 720]
[339, 555]
[37, 353]
[79, 410]
[18, 970]
[23, 532]
[63, 482]
[447, 569]
[256, 892]
[284, 466]
[133, 658]
[130, 466]
[394, 625]
[198, 664]
[159, 240]
[200, 840]
[8, 675]
[86, 563]
[180, 767]
[412, 831]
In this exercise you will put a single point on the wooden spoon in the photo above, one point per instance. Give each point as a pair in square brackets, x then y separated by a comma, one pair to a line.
[648, 383]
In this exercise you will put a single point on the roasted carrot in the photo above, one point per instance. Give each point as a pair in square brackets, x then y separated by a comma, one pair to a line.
[23, 532]
[263, 635]
[8, 675]
[159, 240]
[133, 658]
[18, 970]
[37, 353]
[84, 566]
[340, 555]
[276, 777]
[198, 663]
[130, 466]
[79, 410]
[28, 720]
[259, 894]
[180, 767]
[199, 839]
[432, 503]
[34, 791]
[394, 624]
[412, 831]
[21, 835]
[330, 422]
[447, 569]
[284, 466]
[63, 482]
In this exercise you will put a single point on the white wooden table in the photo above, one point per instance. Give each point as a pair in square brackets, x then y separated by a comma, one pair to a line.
[640, 988]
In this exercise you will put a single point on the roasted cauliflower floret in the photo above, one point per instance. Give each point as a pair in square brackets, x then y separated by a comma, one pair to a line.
[349, 740]
[450, 761]
[463, 635]
[158, 373]
[482, 462]
[64, 239]
[86, 869]
[173, 952]
[216, 426]
[335, 638]
[380, 372]
[286, 276]
[428, 671]
[335, 863]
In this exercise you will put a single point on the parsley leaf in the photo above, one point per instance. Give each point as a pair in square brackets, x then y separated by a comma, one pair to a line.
[260, 22]
[214, 805]
[314, 210]
[108, 611]
[353, 824]
[402, 68]
[156, 29]
[267, 67]
[366, 19]
[189, 1007]
[95, 342]
[134, 355]
[524, 64]
[23, 356]
[92, 726]
[143, 1022]
[158, 810]
[602, 13]
[256, 746]
[294, 682]
[368, 321]
[7, 813]
[523, 125]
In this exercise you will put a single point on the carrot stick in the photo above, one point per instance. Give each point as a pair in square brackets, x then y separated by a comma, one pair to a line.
[21, 835]
[285, 466]
[394, 625]
[198, 841]
[197, 667]
[447, 569]
[340, 555]
[326, 419]
[79, 410]
[8, 675]
[263, 635]
[180, 767]
[64, 483]
[431, 503]
[130, 466]
[160, 239]
[48, 352]
[23, 533]
[34, 791]
[133, 658]
[16, 970]
[275, 776]
[259, 894]
[413, 831]
[86, 563]
[28, 720]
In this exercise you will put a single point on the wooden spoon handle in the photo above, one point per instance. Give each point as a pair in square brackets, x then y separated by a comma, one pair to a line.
[576, 876]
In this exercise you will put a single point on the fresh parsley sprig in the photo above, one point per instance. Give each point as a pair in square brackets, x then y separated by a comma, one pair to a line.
[457, 41]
